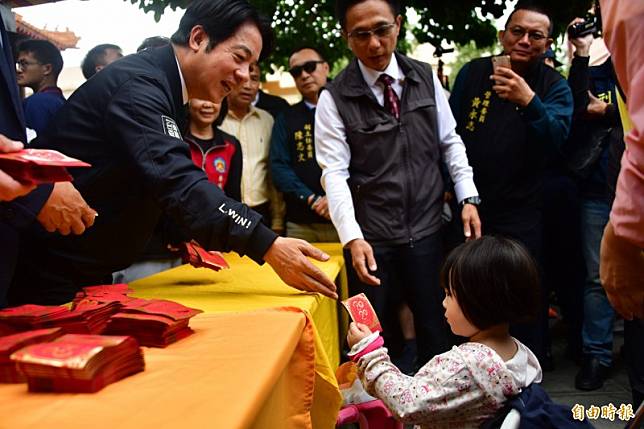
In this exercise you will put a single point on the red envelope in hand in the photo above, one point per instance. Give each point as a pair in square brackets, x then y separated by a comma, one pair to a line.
[361, 311]
[38, 165]
[211, 259]
[197, 256]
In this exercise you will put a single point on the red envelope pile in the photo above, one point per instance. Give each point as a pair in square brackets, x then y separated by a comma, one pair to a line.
[103, 294]
[154, 323]
[79, 363]
[8, 370]
[27, 317]
[38, 165]
[90, 319]
[192, 253]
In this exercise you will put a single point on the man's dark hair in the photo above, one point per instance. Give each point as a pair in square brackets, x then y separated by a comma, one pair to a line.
[220, 19]
[342, 6]
[532, 8]
[96, 57]
[45, 53]
[153, 42]
[494, 280]
[303, 47]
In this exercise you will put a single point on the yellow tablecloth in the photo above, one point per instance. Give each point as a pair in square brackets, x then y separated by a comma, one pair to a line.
[243, 367]
[238, 370]
[248, 286]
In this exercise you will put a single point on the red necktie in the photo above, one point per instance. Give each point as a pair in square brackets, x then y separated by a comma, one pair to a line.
[392, 103]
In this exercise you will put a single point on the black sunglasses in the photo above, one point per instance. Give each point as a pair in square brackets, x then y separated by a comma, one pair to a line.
[308, 67]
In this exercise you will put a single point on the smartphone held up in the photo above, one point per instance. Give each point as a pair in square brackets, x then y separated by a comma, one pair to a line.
[501, 61]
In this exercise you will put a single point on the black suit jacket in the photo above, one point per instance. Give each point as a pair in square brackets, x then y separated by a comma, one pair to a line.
[123, 122]
[21, 212]
[12, 120]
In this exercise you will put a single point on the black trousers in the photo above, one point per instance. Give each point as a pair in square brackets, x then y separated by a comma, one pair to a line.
[408, 273]
[526, 227]
[563, 262]
[9, 239]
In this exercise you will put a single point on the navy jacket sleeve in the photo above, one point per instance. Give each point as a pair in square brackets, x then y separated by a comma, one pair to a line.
[579, 82]
[550, 118]
[233, 183]
[136, 120]
[284, 177]
[22, 212]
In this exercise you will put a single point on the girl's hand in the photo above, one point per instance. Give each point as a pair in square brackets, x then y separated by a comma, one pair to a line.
[357, 331]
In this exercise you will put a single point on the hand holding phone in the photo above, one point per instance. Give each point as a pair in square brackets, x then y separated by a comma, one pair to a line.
[501, 61]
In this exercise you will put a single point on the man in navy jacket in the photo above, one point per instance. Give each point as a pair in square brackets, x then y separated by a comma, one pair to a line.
[126, 122]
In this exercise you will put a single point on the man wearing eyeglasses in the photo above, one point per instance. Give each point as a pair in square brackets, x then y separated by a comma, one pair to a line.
[295, 170]
[39, 64]
[511, 120]
[383, 127]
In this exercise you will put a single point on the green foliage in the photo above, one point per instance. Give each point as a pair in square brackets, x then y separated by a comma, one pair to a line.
[467, 53]
[312, 22]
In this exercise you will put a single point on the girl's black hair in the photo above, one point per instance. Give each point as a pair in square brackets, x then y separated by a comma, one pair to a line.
[494, 280]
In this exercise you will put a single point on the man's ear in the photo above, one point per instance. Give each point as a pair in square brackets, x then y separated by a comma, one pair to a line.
[548, 43]
[398, 21]
[197, 38]
[47, 69]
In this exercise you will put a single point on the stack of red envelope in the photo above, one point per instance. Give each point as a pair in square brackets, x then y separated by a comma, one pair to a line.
[102, 294]
[38, 165]
[105, 294]
[192, 253]
[79, 363]
[88, 319]
[154, 323]
[9, 344]
[29, 316]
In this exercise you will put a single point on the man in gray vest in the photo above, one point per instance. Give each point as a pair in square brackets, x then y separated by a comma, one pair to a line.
[382, 130]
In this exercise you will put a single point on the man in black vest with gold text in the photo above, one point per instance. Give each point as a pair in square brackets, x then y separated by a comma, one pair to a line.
[511, 120]
[382, 129]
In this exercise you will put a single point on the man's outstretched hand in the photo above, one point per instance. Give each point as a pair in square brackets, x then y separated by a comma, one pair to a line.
[288, 257]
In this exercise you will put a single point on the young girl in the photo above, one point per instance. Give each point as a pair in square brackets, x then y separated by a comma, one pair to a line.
[489, 283]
